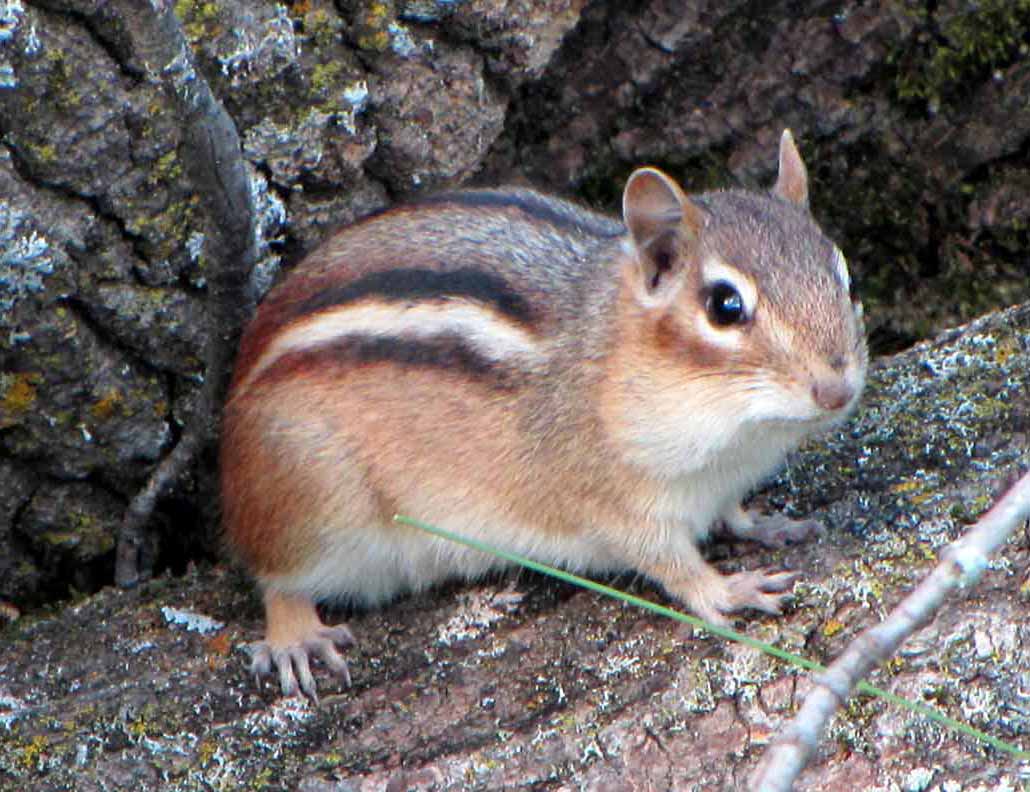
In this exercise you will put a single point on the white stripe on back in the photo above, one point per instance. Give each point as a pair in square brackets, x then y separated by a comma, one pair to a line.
[484, 331]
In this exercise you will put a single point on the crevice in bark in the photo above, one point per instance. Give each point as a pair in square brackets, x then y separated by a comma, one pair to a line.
[95, 204]
[215, 165]
[94, 24]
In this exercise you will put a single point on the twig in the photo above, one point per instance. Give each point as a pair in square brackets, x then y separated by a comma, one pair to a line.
[214, 162]
[961, 566]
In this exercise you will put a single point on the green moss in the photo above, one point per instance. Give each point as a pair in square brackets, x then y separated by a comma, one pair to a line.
[206, 752]
[59, 539]
[332, 759]
[377, 40]
[910, 485]
[27, 569]
[166, 169]
[264, 779]
[1005, 350]
[83, 534]
[62, 86]
[166, 229]
[988, 408]
[138, 728]
[46, 153]
[952, 52]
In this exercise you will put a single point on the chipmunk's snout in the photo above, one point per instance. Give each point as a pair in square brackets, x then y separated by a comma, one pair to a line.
[832, 394]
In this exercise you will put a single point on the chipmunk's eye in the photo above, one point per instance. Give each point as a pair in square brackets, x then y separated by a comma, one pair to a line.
[725, 306]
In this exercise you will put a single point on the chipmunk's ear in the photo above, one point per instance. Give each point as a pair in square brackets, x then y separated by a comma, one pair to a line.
[792, 181]
[662, 223]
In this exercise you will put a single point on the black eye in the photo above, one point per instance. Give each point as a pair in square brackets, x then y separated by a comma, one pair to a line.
[725, 306]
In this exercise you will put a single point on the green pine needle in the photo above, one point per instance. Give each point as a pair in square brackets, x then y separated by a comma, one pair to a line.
[722, 632]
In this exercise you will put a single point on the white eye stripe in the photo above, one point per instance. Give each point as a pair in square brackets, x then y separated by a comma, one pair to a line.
[840, 265]
[713, 271]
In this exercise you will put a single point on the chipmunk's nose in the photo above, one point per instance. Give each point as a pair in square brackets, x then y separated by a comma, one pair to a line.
[832, 393]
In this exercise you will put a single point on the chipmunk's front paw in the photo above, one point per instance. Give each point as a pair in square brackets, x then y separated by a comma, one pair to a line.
[771, 530]
[760, 589]
[712, 596]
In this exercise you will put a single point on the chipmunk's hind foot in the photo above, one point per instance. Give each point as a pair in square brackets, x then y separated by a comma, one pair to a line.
[294, 635]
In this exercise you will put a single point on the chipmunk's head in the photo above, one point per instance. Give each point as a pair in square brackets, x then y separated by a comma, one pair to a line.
[742, 317]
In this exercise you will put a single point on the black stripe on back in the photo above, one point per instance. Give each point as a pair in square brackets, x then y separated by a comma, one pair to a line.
[414, 283]
[533, 204]
[444, 352]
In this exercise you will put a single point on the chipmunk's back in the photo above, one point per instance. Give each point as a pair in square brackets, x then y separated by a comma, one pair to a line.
[499, 249]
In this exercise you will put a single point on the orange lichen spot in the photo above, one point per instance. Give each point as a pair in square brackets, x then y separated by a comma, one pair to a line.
[34, 751]
[19, 394]
[219, 644]
[903, 487]
[104, 408]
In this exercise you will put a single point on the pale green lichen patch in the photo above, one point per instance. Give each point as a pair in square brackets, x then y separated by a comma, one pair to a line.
[200, 19]
[317, 22]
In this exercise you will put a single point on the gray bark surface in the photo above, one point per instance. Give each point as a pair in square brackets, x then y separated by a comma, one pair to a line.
[525, 683]
[914, 123]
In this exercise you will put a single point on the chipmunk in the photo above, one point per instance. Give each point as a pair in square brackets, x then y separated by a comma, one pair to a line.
[591, 393]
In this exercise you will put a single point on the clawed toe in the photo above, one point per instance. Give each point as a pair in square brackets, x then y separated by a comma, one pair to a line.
[325, 650]
[339, 634]
[260, 660]
[292, 665]
[776, 581]
[762, 590]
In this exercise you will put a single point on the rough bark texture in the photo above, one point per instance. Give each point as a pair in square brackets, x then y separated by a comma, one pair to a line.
[524, 683]
[913, 119]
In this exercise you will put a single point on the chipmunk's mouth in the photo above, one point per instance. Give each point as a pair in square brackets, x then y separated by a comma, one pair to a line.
[811, 419]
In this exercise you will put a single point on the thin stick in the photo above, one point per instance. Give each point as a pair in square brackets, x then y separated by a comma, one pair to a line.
[961, 566]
